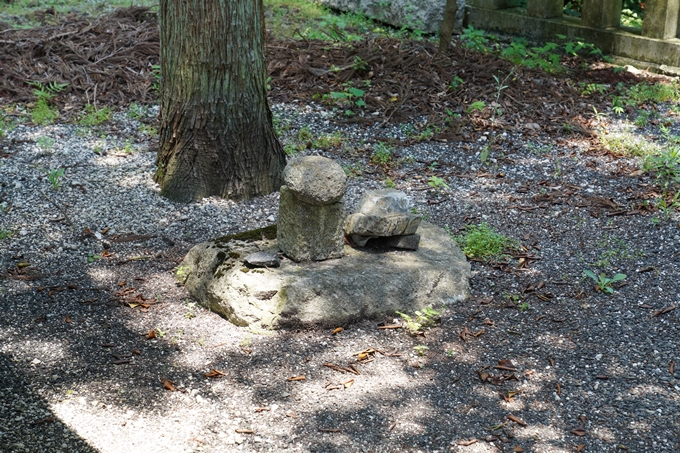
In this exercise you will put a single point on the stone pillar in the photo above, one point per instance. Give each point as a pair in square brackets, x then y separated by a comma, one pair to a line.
[544, 9]
[490, 4]
[661, 19]
[601, 13]
[311, 209]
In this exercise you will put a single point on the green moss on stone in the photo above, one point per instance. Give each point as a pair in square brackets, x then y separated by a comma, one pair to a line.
[268, 232]
[234, 255]
[245, 270]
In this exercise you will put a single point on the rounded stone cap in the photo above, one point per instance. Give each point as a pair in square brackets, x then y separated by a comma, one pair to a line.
[315, 180]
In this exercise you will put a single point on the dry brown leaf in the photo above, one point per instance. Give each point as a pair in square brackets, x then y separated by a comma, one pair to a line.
[297, 378]
[476, 334]
[465, 442]
[579, 448]
[136, 351]
[68, 318]
[106, 254]
[671, 367]
[151, 334]
[123, 283]
[558, 389]
[261, 409]
[518, 449]
[663, 311]
[168, 385]
[391, 326]
[580, 431]
[336, 330]
[488, 322]
[464, 334]
[505, 365]
[245, 431]
[517, 420]
[348, 384]
[214, 374]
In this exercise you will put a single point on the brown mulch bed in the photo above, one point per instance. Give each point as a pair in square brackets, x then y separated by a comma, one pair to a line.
[111, 59]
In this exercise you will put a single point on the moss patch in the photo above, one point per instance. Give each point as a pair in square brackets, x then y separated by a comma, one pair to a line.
[268, 232]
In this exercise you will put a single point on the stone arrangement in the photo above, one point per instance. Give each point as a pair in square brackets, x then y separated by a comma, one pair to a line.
[384, 214]
[244, 277]
[312, 210]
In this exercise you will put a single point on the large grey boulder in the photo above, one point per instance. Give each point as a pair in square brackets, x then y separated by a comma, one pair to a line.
[309, 232]
[426, 15]
[315, 180]
[362, 285]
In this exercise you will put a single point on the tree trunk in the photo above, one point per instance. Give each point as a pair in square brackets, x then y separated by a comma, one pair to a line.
[216, 134]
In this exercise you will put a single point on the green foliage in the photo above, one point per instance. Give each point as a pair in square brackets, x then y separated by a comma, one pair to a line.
[604, 283]
[137, 112]
[657, 92]
[480, 241]
[437, 183]
[45, 142]
[421, 319]
[304, 134]
[5, 234]
[389, 183]
[421, 349]
[290, 149]
[94, 116]
[91, 258]
[382, 154]
[333, 140]
[476, 106]
[456, 82]
[349, 96]
[475, 39]
[43, 112]
[54, 177]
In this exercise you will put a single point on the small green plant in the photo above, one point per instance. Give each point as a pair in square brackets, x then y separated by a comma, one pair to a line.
[246, 342]
[456, 82]
[382, 154]
[137, 112]
[54, 177]
[665, 165]
[476, 106]
[388, 183]
[421, 349]
[94, 116]
[524, 306]
[475, 39]
[328, 141]
[160, 333]
[359, 64]
[667, 204]
[591, 88]
[304, 134]
[5, 234]
[353, 170]
[426, 318]
[450, 352]
[437, 183]
[480, 241]
[43, 112]
[290, 149]
[156, 72]
[91, 257]
[604, 283]
[349, 96]
[45, 142]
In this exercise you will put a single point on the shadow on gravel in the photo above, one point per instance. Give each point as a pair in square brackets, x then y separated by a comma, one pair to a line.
[26, 421]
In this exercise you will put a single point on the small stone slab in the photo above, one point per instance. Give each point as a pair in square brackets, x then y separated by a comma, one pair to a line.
[408, 242]
[263, 259]
[381, 226]
[383, 202]
[315, 180]
[362, 285]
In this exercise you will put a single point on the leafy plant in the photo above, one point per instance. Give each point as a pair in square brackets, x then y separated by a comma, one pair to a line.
[4, 234]
[437, 183]
[388, 183]
[94, 116]
[426, 318]
[421, 349]
[480, 241]
[524, 306]
[475, 39]
[477, 105]
[665, 165]
[43, 112]
[91, 257]
[382, 154]
[604, 283]
[54, 177]
[45, 142]
[456, 82]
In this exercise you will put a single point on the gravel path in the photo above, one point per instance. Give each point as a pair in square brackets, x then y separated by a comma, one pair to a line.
[88, 274]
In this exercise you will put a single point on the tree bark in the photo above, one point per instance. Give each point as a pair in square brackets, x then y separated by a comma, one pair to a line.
[216, 133]
[448, 24]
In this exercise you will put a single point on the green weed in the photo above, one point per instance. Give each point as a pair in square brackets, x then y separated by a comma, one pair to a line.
[421, 349]
[54, 177]
[480, 241]
[665, 165]
[602, 282]
[421, 319]
[389, 183]
[5, 234]
[45, 142]
[382, 154]
[437, 183]
[94, 116]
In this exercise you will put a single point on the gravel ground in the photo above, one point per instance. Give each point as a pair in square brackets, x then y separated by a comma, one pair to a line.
[88, 273]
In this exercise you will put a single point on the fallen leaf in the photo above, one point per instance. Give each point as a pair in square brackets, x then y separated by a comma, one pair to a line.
[391, 326]
[463, 335]
[123, 283]
[136, 352]
[214, 374]
[579, 448]
[558, 389]
[488, 322]
[348, 384]
[291, 414]
[106, 254]
[22, 264]
[245, 431]
[151, 334]
[68, 319]
[476, 334]
[297, 378]
[517, 420]
[506, 365]
[465, 443]
[602, 377]
[336, 330]
[518, 449]
[262, 409]
[663, 311]
[552, 362]
[671, 367]
[580, 431]
[105, 230]
[168, 385]
[121, 361]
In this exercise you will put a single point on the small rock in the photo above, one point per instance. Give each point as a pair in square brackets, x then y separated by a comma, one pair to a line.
[263, 259]
[407, 242]
[315, 180]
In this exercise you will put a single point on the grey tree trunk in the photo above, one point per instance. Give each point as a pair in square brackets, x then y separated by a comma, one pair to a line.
[216, 133]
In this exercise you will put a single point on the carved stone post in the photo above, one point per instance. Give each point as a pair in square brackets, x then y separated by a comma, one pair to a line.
[601, 13]
[544, 9]
[661, 19]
